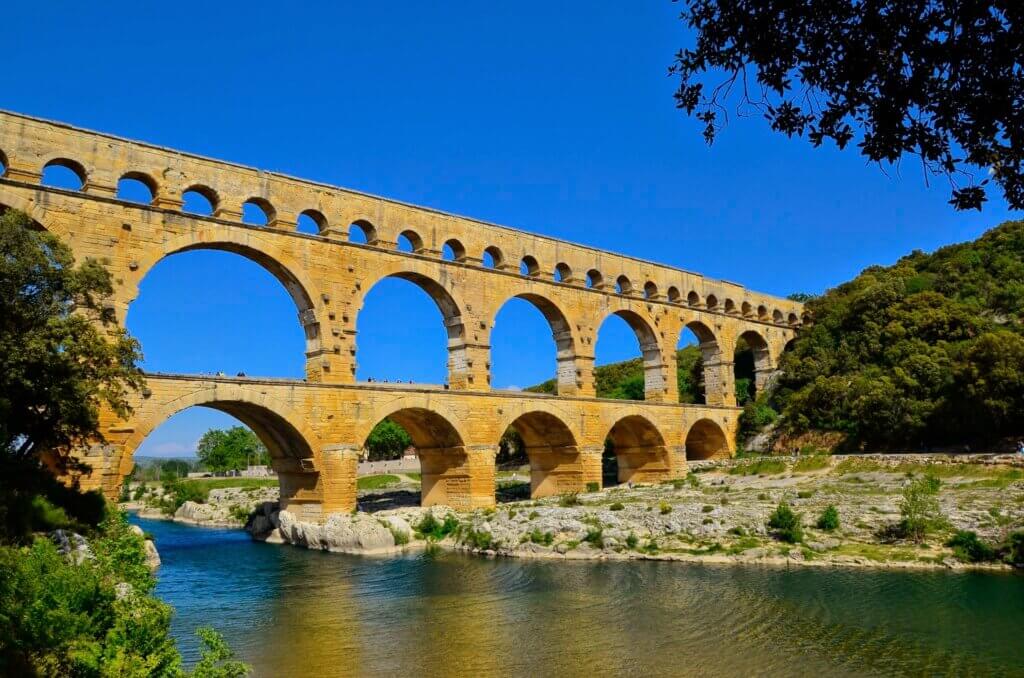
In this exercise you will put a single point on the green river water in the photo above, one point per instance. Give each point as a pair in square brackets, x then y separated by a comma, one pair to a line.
[294, 612]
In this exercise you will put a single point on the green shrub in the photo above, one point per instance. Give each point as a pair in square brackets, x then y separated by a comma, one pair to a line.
[759, 467]
[755, 416]
[533, 515]
[177, 492]
[829, 519]
[430, 528]
[140, 492]
[1015, 549]
[919, 508]
[677, 483]
[805, 494]
[693, 479]
[570, 499]
[763, 496]
[617, 506]
[543, 538]
[595, 537]
[969, 549]
[480, 539]
[593, 486]
[664, 508]
[708, 521]
[707, 508]
[786, 524]
[631, 541]
[738, 531]
[240, 512]
[400, 536]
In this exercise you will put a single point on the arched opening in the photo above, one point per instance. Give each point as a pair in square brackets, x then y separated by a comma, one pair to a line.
[673, 295]
[221, 436]
[706, 440]
[400, 336]
[65, 174]
[562, 273]
[696, 348]
[493, 257]
[777, 316]
[730, 306]
[793, 319]
[693, 299]
[240, 310]
[529, 267]
[258, 212]
[199, 200]
[528, 331]
[594, 279]
[453, 251]
[312, 222]
[639, 451]
[439, 449]
[746, 309]
[650, 290]
[752, 364]
[762, 312]
[136, 187]
[3, 164]
[410, 241]
[544, 443]
[362, 232]
[620, 372]
[623, 286]
[712, 302]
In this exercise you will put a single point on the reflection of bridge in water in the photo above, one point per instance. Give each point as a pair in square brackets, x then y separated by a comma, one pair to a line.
[315, 428]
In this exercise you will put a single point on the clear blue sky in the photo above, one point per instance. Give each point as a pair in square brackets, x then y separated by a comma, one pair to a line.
[553, 117]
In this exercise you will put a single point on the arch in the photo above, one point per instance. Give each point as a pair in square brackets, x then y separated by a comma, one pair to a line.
[137, 187]
[594, 279]
[730, 306]
[258, 212]
[4, 164]
[561, 333]
[623, 285]
[706, 440]
[673, 295]
[204, 200]
[562, 273]
[711, 357]
[712, 302]
[493, 257]
[654, 377]
[363, 231]
[55, 178]
[41, 219]
[650, 290]
[777, 316]
[311, 221]
[746, 310]
[639, 449]
[793, 319]
[762, 312]
[761, 359]
[692, 298]
[409, 241]
[529, 267]
[453, 250]
[551, 446]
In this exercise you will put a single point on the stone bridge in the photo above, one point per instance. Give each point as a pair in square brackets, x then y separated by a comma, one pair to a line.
[469, 268]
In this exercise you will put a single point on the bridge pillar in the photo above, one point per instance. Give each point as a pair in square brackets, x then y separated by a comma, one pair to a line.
[720, 383]
[459, 477]
[555, 470]
[469, 367]
[338, 478]
[302, 491]
[677, 457]
[584, 369]
[590, 462]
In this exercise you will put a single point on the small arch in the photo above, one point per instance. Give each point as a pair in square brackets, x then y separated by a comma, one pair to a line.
[805, 318]
[762, 312]
[311, 221]
[623, 285]
[137, 187]
[362, 231]
[551, 448]
[650, 290]
[3, 163]
[693, 299]
[746, 310]
[698, 376]
[529, 267]
[777, 316]
[673, 295]
[258, 212]
[594, 279]
[563, 273]
[793, 319]
[706, 440]
[409, 241]
[712, 302]
[199, 199]
[730, 306]
[63, 173]
[493, 258]
[752, 362]
[453, 251]
[638, 450]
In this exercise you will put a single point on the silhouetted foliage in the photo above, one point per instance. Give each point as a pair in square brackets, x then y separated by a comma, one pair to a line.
[387, 440]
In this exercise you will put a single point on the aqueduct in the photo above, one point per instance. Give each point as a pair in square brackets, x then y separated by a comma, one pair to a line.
[315, 427]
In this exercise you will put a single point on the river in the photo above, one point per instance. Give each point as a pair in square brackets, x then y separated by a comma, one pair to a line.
[293, 612]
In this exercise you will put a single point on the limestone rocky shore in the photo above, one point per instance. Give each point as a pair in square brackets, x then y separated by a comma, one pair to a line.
[719, 513]
[223, 507]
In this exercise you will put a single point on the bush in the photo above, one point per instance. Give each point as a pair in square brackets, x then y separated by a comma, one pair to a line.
[707, 508]
[430, 528]
[543, 538]
[400, 536]
[693, 479]
[240, 512]
[664, 508]
[177, 492]
[617, 506]
[595, 537]
[1015, 549]
[829, 519]
[786, 524]
[755, 416]
[919, 508]
[969, 549]
[479, 539]
[567, 500]
[631, 541]
[805, 494]
[593, 487]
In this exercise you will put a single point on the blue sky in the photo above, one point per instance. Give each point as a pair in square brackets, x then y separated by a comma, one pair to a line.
[553, 117]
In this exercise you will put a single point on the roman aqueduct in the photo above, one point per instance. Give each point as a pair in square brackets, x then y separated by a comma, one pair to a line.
[316, 427]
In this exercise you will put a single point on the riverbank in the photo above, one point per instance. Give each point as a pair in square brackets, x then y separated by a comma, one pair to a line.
[718, 514]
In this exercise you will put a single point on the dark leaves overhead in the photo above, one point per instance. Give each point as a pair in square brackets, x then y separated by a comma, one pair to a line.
[937, 79]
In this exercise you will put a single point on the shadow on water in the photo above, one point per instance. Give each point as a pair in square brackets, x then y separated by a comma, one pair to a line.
[291, 611]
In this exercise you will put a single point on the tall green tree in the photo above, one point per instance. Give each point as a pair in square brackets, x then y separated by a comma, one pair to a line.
[939, 81]
[387, 440]
[231, 450]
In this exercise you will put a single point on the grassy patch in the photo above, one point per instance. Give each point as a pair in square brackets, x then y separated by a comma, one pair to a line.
[221, 483]
[877, 552]
[376, 482]
[813, 463]
[760, 467]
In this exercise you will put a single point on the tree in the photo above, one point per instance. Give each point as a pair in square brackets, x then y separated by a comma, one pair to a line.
[62, 357]
[387, 440]
[937, 79]
[231, 450]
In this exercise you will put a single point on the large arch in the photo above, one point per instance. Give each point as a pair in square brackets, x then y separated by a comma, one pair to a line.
[293, 445]
[561, 333]
[459, 363]
[764, 366]
[640, 450]
[556, 465]
[711, 358]
[707, 440]
[650, 351]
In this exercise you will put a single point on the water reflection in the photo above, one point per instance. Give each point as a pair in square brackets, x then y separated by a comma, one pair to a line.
[295, 612]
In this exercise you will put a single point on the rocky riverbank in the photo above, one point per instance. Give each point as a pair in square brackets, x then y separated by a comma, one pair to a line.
[718, 513]
[220, 507]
